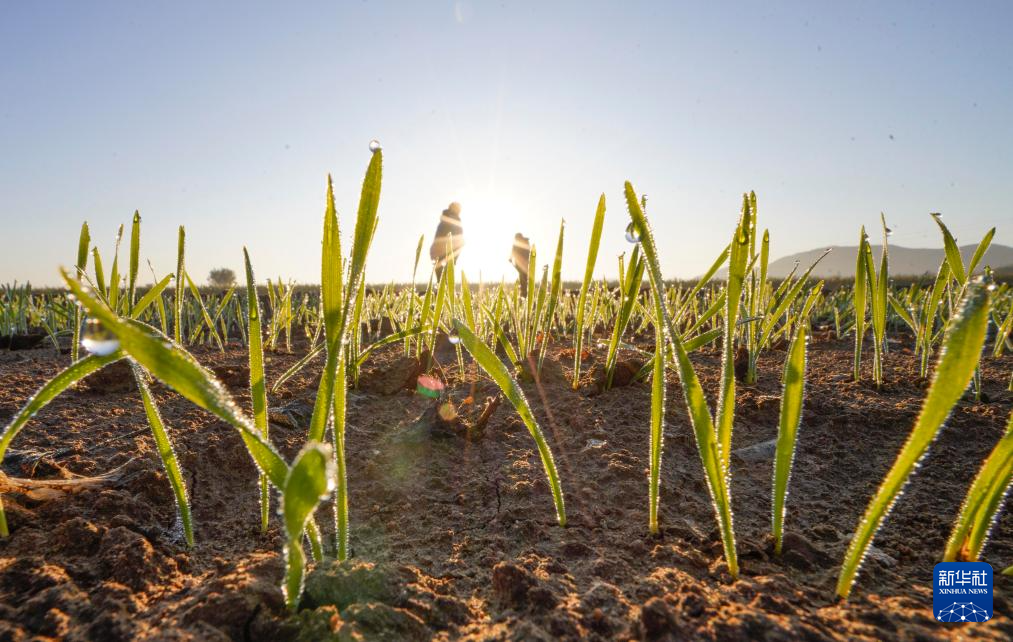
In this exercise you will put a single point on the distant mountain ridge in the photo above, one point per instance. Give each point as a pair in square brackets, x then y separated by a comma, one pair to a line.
[904, 261]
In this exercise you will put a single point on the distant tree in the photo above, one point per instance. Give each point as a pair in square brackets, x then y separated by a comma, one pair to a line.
[222, 278]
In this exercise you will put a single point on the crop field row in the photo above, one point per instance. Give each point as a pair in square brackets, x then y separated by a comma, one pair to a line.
[954, 323]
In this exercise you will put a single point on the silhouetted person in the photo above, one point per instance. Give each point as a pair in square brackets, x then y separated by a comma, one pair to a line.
[520, 256]
[449, 238]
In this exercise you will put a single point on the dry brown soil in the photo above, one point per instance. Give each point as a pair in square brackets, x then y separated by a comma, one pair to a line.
[454, 534]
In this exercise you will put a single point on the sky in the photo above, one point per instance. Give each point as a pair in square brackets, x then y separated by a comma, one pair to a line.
[227, 117]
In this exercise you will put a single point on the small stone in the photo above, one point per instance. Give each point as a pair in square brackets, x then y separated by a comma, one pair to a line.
[763, 451]
[801, 552]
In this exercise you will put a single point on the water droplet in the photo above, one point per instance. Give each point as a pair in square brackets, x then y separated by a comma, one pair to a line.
[889, 232]
[632, 233]
[374, 146]
[97, 339]
[454, 338]
[594, 443]
[936, 214]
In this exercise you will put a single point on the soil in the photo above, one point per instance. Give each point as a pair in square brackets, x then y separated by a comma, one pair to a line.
[20, 341]
[454, 535]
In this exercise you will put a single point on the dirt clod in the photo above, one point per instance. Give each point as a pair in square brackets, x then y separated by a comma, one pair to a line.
[130, 559]
[116, 377]
[342, 584]
[390, 376]
[656, 619]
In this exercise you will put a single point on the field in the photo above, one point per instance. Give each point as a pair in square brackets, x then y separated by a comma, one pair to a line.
[630, 460]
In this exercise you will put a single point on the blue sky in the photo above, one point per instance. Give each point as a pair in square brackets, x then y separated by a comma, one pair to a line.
[227, 117]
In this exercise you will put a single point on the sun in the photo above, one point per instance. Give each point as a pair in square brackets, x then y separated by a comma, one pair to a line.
[488, 220]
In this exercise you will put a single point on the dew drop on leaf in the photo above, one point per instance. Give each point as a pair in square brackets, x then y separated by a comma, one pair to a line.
[97, 339]
[632, 233]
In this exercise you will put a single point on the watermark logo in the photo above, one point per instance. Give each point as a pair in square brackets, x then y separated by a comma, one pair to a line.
[962, 592]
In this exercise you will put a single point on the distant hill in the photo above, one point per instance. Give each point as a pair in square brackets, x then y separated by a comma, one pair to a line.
[904, 261]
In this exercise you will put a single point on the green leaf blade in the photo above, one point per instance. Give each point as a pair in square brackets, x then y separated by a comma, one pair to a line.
[981, 506]
[166, 453]
[308, 482]
[696, 400]
[491, 364]
[592, 258]
[180, 371]
[788, 427]
[961, 353]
